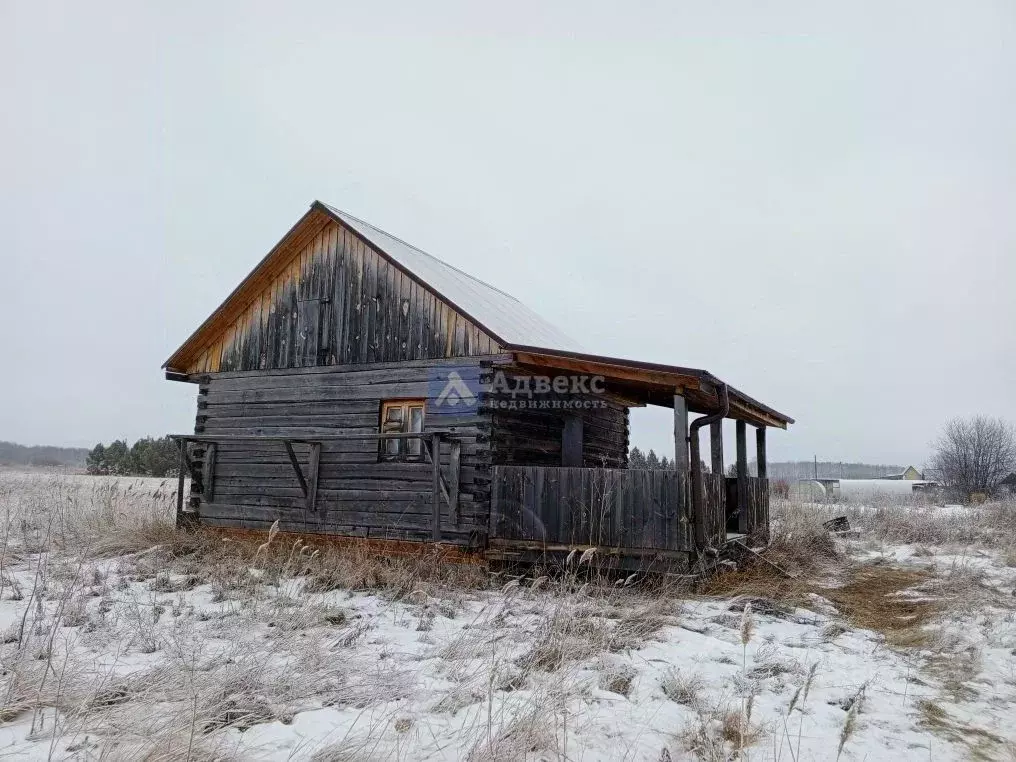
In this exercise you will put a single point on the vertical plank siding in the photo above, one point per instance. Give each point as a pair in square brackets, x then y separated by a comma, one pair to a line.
[758, 508]
[357, 495]
[339, 301]
[616, 508]
[715, 500]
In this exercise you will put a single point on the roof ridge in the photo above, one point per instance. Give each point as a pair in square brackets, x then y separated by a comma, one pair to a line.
[344, 213]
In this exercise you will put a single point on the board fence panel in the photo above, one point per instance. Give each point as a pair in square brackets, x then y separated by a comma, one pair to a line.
[617, 508]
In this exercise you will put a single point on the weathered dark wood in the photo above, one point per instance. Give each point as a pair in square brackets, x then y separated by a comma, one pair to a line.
[208, 472]
[435, 448]
[337, 437]
[296, 467]
[758, 509]
[681, 462]
[617, 508]
[180, 481]
[716, 446]
[715, 513]
[742, 477]
[312, 476]
[328, 296]
[760, 451]
[571, 442]
[528, 436]
[454, 480]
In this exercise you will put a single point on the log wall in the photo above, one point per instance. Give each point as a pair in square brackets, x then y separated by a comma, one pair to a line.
[533, 437]
[254, 483]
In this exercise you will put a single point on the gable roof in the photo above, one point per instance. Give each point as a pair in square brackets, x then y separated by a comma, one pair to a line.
[500, 314]
[513, 325]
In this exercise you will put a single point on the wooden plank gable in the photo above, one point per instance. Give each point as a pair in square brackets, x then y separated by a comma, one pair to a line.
[335, 300]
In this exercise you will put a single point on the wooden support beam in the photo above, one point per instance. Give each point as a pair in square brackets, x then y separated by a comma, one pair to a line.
[716, 446]
[742, 477]
[208, 473]
[189, 465]
[760, 452]
[180, 481]
[445, 485]
[681, 462]
[454, 471]
[296, 466]
[312, 476]
[608, 370]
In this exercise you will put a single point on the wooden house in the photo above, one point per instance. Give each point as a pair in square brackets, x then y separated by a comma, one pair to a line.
[355, 386]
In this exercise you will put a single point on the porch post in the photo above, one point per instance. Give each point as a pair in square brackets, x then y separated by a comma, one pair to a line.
[761, 528]
[680, 434]
[716, 446]
[742, 477]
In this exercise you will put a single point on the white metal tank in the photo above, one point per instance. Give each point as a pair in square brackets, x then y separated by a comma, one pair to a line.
[860, 489]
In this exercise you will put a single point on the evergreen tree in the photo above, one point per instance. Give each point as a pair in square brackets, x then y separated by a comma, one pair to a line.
[96, 463]
[160, 457]
[652, 461]
[146, 457]
[118, 458]
[636, 458]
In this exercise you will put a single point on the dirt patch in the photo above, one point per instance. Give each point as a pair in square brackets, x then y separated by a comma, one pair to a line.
[883, 599]
[873, 597]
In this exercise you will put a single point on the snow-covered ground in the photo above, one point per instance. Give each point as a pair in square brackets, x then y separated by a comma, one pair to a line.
[120, 642]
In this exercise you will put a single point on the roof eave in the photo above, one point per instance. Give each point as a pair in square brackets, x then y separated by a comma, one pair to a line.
[751, 407]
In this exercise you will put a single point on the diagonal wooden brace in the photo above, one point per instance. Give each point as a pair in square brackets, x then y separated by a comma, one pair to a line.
[448, 485]
[308, 482]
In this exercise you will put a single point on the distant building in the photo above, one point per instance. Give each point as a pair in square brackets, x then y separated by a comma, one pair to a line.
[909, 474]
[820, 490]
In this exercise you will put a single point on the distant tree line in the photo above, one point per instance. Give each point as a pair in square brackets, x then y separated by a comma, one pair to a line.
[12, 454]
[805, 469]
[788, 471]
[146, 457]
[639, 459]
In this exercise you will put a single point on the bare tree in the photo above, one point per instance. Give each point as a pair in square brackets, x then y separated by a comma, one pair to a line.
[975, 454]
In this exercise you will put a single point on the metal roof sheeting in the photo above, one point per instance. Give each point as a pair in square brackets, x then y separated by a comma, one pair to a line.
[504, 316]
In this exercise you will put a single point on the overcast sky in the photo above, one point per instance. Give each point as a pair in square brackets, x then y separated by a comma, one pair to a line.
[817, 204]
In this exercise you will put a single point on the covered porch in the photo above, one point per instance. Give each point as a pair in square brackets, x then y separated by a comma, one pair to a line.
[641, 514]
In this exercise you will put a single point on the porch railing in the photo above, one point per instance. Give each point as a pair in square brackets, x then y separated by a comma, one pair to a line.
[618, 508]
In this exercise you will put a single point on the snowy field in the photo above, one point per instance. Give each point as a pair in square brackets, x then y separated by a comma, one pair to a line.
[122, 639]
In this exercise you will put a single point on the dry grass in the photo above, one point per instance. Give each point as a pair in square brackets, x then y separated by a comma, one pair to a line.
[881, 598]
[282, 638]
[980, 744]
[683, 688]
[800, 550]
[914, 521]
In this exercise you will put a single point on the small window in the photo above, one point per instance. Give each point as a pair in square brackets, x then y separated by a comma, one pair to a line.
[401, 417]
